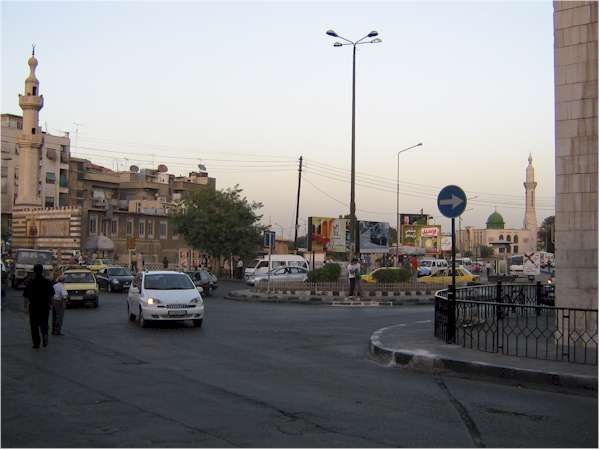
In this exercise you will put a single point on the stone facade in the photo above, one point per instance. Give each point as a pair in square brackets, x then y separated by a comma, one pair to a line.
[576, 157]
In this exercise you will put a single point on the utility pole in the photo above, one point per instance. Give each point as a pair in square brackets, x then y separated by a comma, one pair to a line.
[298, 203]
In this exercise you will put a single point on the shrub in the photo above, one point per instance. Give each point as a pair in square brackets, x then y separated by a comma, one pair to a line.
[391, 275]
[329, 272]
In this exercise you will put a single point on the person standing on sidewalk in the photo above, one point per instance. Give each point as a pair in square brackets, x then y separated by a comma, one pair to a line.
[39, 292]
[240, 269]
[353, 275]
[58, 306]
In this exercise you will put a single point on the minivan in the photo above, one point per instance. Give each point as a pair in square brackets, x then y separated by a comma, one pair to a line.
[261, 265]
[431, 266]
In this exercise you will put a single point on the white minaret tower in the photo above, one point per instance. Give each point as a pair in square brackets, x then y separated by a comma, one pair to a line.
[30, 141]
[530, 221]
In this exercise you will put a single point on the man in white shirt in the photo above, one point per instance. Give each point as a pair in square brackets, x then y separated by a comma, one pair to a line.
[353, 275]
[58, 306]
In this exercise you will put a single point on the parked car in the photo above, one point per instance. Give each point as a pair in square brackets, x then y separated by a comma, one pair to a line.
[444, 276]
[99, 264]
[164, 296]
[81, 287]
[204, 279]
[114, 278]
[286, 273]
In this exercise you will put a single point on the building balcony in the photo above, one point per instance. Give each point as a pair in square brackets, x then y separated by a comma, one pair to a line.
[35, 102]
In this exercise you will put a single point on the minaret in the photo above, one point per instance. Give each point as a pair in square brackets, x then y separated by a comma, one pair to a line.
[530, 221]
[30, 141]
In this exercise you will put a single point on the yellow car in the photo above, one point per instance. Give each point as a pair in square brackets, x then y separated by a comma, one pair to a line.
[81, 287]
[370, 278]
[99, 264]
[444, 276]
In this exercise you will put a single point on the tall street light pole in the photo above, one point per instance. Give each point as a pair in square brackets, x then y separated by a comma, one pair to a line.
[398, 200]
[354, 238]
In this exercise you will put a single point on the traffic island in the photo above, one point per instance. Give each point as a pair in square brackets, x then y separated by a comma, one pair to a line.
[416, 348]
[402, 298]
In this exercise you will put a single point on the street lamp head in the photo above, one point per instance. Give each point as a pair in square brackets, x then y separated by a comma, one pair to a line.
[376, 41]
[337, 44]
[332, 33]
[373, 34]
[419, 144]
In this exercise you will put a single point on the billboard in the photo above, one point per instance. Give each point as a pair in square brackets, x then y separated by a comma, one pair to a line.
[428, 237]
[531, 263]
[374, 237]
[327, 234]
[413, 219]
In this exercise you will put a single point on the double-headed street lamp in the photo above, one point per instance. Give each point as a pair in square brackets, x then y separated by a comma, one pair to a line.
[353, 231]
[398, 200]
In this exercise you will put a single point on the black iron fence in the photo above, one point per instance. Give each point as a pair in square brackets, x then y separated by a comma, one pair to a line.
[517, 320]
[343, 286]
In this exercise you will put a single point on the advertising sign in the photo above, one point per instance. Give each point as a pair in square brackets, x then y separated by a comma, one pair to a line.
[327, 234]
[424, 236]
[429, 231]
[446, 243]
[531, 263]
[413, 219]
[374, 237]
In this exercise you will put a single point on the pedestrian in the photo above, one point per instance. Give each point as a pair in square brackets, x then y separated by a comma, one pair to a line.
[39, 292]
[414, 266]
[165, 263]
[240, 269]
[59, 301]
[353, 275]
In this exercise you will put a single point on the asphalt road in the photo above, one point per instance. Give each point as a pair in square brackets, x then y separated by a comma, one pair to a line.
[257, 375]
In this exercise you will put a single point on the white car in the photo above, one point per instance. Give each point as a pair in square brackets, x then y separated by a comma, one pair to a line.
[159, 296]
[282, 274]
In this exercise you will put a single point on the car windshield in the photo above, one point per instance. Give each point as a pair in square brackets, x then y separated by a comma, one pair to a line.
[79, 277]
[43, 258]
[168, 281]
[118, 272]
[426, 263]
[103, 261]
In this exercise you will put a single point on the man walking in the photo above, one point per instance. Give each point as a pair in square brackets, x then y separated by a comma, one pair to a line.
[39, 292]
[353, 275]
[240, 269]
[58, 306]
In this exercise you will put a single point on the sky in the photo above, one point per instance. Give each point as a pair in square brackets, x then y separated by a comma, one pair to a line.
[246, 88]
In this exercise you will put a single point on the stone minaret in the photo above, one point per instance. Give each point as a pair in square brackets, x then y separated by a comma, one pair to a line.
[530, 221]
[30, 141]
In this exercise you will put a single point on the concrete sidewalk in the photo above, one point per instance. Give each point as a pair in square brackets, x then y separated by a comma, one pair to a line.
[417, 348]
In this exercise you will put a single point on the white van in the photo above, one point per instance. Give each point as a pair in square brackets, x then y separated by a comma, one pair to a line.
[261, 265]
[431, 266]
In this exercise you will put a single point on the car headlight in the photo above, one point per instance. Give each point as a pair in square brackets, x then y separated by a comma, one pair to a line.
[90, 291]
[196, 300]
[153, 301]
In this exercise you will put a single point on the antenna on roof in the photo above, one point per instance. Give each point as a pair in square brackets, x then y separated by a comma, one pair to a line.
[33, 49]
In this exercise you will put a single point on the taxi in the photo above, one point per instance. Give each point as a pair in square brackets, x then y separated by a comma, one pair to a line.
[370, 277]
[99, 264]
[81, 287]
[444, 276]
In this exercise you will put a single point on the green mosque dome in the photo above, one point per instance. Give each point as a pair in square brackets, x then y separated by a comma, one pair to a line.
[495, 222]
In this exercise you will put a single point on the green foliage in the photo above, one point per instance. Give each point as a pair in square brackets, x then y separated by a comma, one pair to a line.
[329, 272]
[468, 254]
[391, 275]
[485, 252]
[219, 222]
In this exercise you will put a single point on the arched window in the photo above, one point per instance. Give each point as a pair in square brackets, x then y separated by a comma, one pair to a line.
[516, 240]
[508, 237]
[501, 237]
[515, 248]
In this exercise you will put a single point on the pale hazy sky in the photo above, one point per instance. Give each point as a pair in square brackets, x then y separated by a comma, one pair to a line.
[248, 87]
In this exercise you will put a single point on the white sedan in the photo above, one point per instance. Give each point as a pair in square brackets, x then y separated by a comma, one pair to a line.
[159, 296]
[286, 273]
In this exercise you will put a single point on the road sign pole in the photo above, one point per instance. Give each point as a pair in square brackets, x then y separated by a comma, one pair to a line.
[452, 305]
[269, 266]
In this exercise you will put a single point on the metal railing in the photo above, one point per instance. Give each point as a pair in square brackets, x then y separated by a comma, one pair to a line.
[343, 286]
[517, 320]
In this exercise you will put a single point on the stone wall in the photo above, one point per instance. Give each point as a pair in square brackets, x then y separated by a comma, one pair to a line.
[576, 158]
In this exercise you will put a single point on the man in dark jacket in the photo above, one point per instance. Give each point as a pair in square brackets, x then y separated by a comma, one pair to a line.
[39, 292]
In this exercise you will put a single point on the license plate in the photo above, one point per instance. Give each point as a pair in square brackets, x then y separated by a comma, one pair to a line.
[76, 297]
[178, 312]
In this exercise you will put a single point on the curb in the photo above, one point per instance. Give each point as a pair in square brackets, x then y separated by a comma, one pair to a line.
[330, 300]
[426, 361]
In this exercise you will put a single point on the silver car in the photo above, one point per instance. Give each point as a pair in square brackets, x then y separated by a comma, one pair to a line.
[286, 273]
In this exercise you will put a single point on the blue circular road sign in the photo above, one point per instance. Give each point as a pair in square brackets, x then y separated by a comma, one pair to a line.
[452, 201]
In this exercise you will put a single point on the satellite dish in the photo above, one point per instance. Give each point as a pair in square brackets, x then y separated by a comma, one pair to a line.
[162, 168]
[202, 167]
[134, 169]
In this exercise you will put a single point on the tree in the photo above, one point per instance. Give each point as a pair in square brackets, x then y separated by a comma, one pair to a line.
[220, 222]
[546, 234]
[485, 251]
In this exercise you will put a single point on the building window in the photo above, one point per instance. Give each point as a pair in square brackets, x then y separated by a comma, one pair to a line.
[114, 227]
[150, 229]
[516, 240]
[162, 231]
[62, 199]
[516, 249]
[501, 249]
[49, 202]
[64, 155]
[33, 131]
[508, 237]
[34, 90]
[129, 227]
[63, 178]
[50, 177]
[501, 237]
[141, 228]
[93, 225]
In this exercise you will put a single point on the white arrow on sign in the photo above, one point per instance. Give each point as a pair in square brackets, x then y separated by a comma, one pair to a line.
[454, 201]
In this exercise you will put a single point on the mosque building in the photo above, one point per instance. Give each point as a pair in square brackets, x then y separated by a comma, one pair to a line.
[506, 241]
